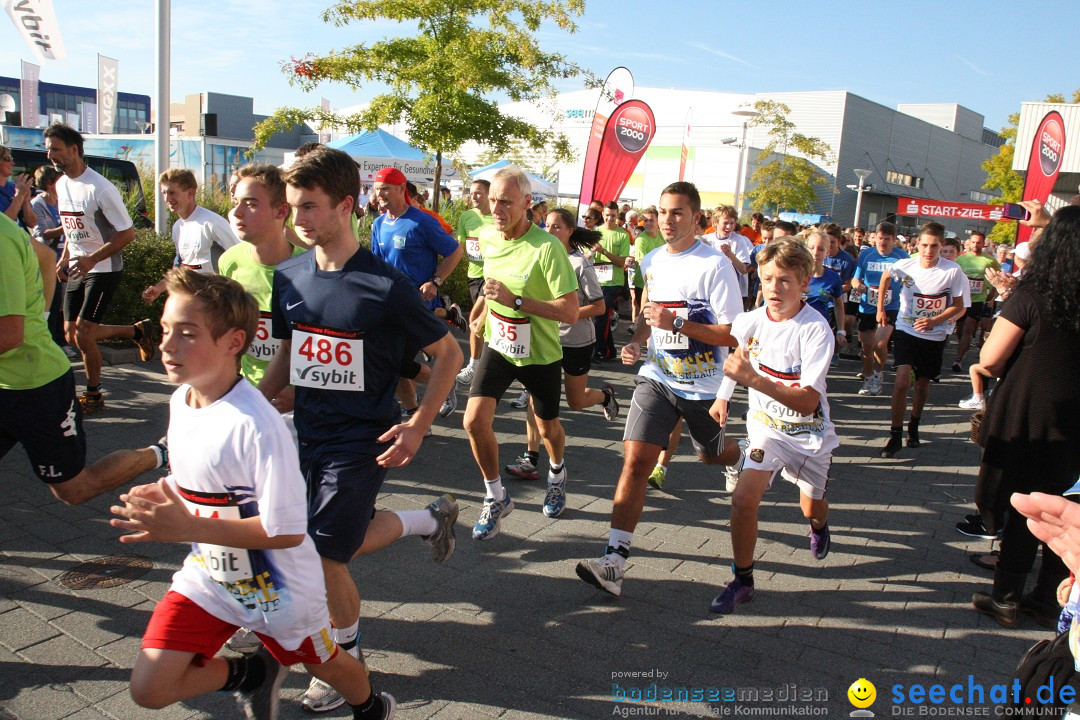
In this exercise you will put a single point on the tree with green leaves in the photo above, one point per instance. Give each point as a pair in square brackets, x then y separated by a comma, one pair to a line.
[786, 181]
[1001, 177]
[441, 81]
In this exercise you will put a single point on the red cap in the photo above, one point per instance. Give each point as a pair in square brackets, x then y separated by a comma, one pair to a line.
[390, 176]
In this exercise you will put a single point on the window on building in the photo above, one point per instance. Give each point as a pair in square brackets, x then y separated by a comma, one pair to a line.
[895, 178]
[981, 197]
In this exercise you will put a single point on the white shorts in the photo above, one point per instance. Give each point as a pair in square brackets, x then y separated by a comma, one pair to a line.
[809, 472]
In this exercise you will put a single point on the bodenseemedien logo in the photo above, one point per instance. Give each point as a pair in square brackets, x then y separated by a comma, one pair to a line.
[861, 695]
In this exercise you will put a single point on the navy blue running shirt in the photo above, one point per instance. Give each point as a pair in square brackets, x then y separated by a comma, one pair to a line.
[348, 328]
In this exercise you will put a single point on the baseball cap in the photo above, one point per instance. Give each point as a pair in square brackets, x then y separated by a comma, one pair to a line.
[390, 176]
[1022, 251]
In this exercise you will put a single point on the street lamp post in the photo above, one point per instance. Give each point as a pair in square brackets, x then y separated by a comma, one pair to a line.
[162, 120]
[862, 174]
[740, 179]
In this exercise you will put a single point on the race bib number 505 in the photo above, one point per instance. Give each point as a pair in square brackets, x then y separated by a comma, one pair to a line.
[327, 358]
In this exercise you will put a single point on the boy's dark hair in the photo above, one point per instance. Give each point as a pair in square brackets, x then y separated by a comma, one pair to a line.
[934, 229]
[688, 190]
[267, 175]
[326, 169]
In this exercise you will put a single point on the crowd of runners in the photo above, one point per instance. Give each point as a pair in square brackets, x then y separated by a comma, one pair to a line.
[308, 365]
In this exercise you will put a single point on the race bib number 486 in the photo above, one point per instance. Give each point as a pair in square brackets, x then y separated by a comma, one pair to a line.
[327, 358]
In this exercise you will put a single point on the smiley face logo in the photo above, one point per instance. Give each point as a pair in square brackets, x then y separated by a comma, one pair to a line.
[862, 693]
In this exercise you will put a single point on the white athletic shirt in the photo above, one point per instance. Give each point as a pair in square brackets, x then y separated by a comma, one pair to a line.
[91, 213]
[194, 237]
[698, 284]
[926, 292]
[796, 353]
[741, 246]
[236, 458]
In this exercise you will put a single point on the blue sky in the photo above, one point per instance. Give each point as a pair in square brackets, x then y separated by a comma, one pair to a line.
[988, 56]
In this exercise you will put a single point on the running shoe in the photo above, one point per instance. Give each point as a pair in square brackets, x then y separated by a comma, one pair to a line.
[491, 516]
[522, 401]
[320, 697]
[262, 702]
[449, 404]
[875, 383]
[820, 540]
[970, 403]
[443, 540]
[957, 367]
[92, 403]
[466, 375]
[860, 376]
[244, 641]
[457, 318]
[605, 573]
[523, 468]
[973, 526]
[657, 477]
[610, 404]
[912, 438]
[145, 343]
[389, 706]
[734, 594]
[865, 389]
[555, 500]
[614, 322]
[72, 353]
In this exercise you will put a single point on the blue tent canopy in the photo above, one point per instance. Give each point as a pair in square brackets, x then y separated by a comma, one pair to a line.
[376, 149]
[540, 186]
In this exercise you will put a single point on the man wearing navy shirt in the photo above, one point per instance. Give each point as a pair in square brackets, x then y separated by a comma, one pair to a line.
[345, 319]
[412, 241]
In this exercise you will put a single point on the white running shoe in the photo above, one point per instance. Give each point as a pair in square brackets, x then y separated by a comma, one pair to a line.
[970, 403]
[875, 383]
[865, 389]
[320, 697]
[522, 401]
[466, 375]
[605, 573]
[731, 472]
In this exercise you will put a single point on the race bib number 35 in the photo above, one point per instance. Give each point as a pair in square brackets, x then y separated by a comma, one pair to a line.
[327, 358]
[510, 336]
[263, 347]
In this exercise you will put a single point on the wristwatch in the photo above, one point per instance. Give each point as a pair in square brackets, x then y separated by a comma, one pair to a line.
[517, 302]
[677, 324]
[436, 281]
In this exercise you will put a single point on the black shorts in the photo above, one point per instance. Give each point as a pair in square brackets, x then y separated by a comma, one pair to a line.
[974, 312]
[655, 409]
[494, 374]
[868, 321]
[88, 296]
[410, 366]
[341, 489]
[475, 286]
[578, 361]
[851, 309]
[924, 356]
[47, 422]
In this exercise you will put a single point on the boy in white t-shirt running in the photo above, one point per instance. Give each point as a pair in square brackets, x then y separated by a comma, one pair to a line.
[784, 351]
[237, 495]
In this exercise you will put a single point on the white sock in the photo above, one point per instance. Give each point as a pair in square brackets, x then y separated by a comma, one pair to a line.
[556, 478]
[417, 522]
[978, 397]
[620, 539]
[473, 362]
[495, 489]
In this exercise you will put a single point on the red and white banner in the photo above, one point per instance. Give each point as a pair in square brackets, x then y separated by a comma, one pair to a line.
[922, 207]
[1047, 150]
[626, 137]
[685, 147]
[28, 94]
[618, 88]
[37, 24]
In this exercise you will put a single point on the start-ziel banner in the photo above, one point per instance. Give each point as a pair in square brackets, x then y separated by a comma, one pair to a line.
[939, 208]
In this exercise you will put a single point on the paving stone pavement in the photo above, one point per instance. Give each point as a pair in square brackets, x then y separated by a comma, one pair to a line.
[507, 630]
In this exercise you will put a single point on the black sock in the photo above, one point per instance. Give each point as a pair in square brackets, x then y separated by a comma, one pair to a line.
[245, 674]
[93, 389]
[533, 457]
[896, 431]
[913, 425]
[746, 575]
[556, 470]
[138, 332]
[624, 551]
[369, 709]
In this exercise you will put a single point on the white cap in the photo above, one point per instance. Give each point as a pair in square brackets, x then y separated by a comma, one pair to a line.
[1022, 251]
